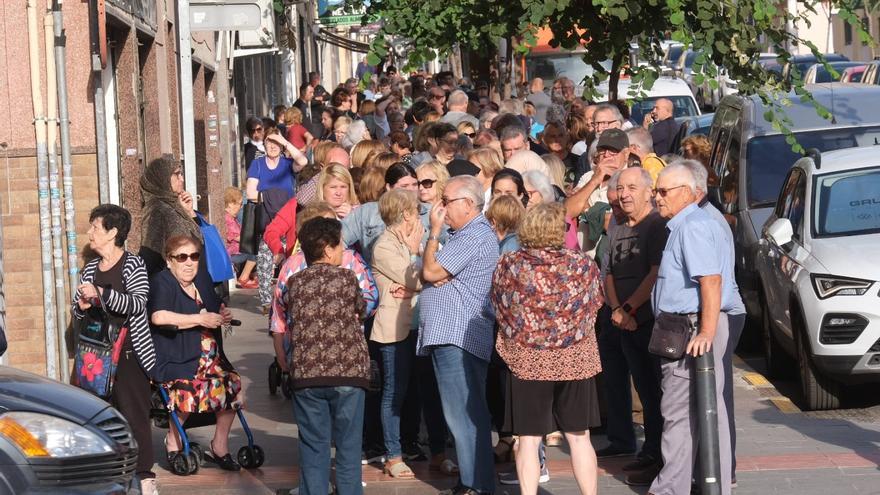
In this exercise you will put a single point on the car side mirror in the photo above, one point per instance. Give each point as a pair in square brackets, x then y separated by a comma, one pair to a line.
[780, 231]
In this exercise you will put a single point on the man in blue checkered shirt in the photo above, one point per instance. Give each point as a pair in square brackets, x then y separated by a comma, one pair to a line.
[456, 325]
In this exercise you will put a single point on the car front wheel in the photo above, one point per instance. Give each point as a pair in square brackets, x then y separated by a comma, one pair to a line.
[820, 392]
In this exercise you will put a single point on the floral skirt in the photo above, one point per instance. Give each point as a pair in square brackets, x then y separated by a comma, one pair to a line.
[212, 389]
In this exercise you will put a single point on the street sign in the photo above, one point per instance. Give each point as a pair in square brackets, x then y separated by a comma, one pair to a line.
[227, 16]
[340, 20]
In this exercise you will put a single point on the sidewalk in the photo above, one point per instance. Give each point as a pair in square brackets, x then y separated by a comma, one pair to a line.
[780, 449]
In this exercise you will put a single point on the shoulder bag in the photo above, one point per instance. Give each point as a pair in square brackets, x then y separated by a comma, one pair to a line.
[99, 340]
[219, 263]
[671, 334]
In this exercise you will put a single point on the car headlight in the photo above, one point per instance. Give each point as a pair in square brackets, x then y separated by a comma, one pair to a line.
[41, 435]
[830, 285]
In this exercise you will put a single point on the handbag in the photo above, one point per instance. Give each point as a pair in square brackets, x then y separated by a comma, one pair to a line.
[98, 346]
[251, 235]
[218, 260]
[671, 334]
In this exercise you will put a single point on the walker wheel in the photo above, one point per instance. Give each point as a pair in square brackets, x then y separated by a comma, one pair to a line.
[193, 462]
[197, 449]
[251, 457]
[180, 464]
[274, 373]
[286, 389]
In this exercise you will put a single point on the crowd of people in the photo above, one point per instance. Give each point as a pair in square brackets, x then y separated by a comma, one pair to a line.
[448, 261]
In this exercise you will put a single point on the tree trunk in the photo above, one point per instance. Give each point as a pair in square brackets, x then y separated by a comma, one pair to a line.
[614, 77]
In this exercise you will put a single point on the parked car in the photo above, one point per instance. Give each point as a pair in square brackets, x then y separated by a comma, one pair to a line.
[696, 124]
[752, 159]
[707, 97]
[672, 88]
[804, 62]
[872, 73]
[819, 275]
[853, 74]
[730, 86]
[817, 73]
[55, 438]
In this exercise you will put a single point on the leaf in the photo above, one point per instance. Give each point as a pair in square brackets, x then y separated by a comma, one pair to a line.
[373, 59]
[677, 18]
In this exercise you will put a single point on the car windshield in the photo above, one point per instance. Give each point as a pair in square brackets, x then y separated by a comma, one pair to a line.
[769, 157]
[683, 106]
[847, 203]
[568, 64]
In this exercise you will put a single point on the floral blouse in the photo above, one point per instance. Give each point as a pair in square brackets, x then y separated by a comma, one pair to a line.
[545, 303]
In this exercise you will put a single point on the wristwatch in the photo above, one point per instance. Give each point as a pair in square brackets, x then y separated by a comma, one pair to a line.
[628, 309]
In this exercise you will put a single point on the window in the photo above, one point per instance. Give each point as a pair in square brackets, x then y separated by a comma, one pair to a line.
[791, 200]
[847, 33]
[847, 203]
[730, 175]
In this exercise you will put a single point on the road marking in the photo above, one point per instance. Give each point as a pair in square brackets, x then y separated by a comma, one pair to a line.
[785, 405]
[756, 380]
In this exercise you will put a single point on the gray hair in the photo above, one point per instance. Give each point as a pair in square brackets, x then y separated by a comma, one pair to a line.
[471, 188]
[699, 171]
[608, 107]
[487, 116]
[612, 182]
[641, 137]
[541, 183]
[511, 105]
[513, 131]
[592, 151]
[687, 175]
[354, 135]
[556, 113]
[457, 98]
[647, 180]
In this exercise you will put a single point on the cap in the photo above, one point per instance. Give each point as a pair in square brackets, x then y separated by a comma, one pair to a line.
[613, 139]
[462, 167]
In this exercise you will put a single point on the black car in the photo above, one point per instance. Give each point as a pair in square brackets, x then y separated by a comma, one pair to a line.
[55, 438]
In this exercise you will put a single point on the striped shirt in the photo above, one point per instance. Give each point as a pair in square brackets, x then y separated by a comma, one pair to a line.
[133, 302]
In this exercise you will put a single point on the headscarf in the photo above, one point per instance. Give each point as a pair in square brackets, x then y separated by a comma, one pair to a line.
[163, 216]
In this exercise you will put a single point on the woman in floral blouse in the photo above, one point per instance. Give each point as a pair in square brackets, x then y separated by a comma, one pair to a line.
[545, 299]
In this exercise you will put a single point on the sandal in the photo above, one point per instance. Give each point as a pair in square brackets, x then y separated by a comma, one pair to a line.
[398, 469]
[441, 464]
[553, 439]
[504, 450]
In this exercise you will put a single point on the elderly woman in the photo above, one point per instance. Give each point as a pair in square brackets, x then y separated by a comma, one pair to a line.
[395, 265]
[552, 360]
[340, 128]
[432, 180]
[525, 160]
[539, 188]
[119, 279]
[357, 132]
[186, 318]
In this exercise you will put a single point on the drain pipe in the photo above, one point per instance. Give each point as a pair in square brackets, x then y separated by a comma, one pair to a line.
[100, 114]
[61, 307]
[50, 324]
[66, 161]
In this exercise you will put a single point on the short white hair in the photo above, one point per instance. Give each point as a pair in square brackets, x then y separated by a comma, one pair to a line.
[457, 98]
[541, 183]
[699, 171]
[511, 105]
[641, 137]
[686, 174]
[644, 175]
[608, 107]
[470, 188]
[354, 135]
[524, 160]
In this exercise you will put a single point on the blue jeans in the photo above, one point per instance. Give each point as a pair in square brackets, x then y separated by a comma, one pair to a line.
[461, 378]
[397, 361]
[322, 414]
[615, 384]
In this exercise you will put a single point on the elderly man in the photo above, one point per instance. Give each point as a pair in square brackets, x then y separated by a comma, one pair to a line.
[456, 325]
[606, 116]
[634, 252]
[612, 153]
[513, 139]
[457, 103]
[663, 126]
[696, 280]
[539, 99]
[736, 316]
[641, 144]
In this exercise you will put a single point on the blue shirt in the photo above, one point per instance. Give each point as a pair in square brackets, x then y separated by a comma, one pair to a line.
[737, 308]
[459, 312]
[281, 177]
[363, 226]
[697, 247]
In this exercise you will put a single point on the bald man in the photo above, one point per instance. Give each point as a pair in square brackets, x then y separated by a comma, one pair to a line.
[457, 103]
[540, 99]
[663, 126]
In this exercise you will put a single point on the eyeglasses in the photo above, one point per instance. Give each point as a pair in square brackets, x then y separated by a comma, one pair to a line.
[437, 97]
[470, 134]
[446, 201]
[182, 257]
[604, 123]
[427, 183]
[663, 191]
[607, 151]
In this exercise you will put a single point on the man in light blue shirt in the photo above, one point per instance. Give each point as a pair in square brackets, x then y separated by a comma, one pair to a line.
[695, 278]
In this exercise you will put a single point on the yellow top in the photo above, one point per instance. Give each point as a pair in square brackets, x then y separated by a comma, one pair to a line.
[653, 164]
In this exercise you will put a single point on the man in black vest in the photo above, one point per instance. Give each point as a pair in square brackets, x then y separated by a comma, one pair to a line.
[310, 109]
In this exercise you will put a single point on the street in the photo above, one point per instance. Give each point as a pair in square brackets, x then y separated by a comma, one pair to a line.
[780, 449]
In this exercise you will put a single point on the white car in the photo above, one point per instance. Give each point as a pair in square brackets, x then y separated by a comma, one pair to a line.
[671, 88]
[820, 274]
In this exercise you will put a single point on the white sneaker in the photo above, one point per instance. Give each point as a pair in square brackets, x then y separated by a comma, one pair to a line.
[510, 477]
[148, 487]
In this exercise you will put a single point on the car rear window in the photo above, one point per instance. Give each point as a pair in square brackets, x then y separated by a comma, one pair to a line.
[769, 158]
[847, 203]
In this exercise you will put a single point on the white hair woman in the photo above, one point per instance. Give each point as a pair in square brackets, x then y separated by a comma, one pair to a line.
[539, 188]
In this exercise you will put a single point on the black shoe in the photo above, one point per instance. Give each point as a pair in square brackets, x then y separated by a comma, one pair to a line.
[226, 462]
[612, 451]
[644, 477]
[412, 452]
[373, 455]
[641, 462]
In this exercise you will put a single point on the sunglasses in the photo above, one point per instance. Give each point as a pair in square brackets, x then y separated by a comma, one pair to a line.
[437, 97]
[426, 183]
[663, 191]
[470, 134]
[182, 257]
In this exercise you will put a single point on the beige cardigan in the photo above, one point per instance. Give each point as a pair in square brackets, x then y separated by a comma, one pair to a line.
[392, 263]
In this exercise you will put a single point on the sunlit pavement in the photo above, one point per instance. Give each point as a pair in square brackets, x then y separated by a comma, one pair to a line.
[780, 449]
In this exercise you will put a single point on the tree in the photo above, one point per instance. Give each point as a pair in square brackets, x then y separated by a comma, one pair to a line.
[724, 33]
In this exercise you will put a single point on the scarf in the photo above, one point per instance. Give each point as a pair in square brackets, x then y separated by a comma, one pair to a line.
[163, 216]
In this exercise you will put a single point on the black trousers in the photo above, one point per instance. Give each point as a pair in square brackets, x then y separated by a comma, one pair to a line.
[131, 396]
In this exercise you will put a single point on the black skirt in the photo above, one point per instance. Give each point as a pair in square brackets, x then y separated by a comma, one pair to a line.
[536, 408]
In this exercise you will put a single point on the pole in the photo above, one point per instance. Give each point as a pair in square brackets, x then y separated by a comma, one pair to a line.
[100, 112]
[185, 85]
[3, 327]
[707, 417]
[61, 307]
[66, 161]
[43, 193]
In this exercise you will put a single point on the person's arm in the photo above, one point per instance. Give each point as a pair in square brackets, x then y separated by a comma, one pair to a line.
[184, 321]
[610, 291]
[299, 159]
[579, 201]
[251, 189]
[710, 310]
[308, 138]
[643, 291]
[432, 270]
[388, 262]
[279, 226]
[367, 283]
[280, 356]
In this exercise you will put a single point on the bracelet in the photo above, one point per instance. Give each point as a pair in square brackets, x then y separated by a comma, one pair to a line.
[433, 237]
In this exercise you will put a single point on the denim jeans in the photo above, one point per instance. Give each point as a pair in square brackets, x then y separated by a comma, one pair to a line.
[397, 361]
[322, 414]
[615, 384]
[461, 378]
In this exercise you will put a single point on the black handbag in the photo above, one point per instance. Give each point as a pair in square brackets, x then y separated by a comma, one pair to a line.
[671, 334]
[251, 235]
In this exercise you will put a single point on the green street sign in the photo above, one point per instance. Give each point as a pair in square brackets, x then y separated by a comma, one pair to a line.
[340, 20]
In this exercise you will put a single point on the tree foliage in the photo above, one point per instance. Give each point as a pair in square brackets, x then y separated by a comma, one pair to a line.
[724, 33]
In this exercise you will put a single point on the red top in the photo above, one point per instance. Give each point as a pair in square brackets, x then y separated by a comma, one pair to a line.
[296, 134]
[284, 224]
[233, 233]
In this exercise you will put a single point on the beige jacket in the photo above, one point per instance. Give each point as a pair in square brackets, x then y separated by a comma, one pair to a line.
[392, 263]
